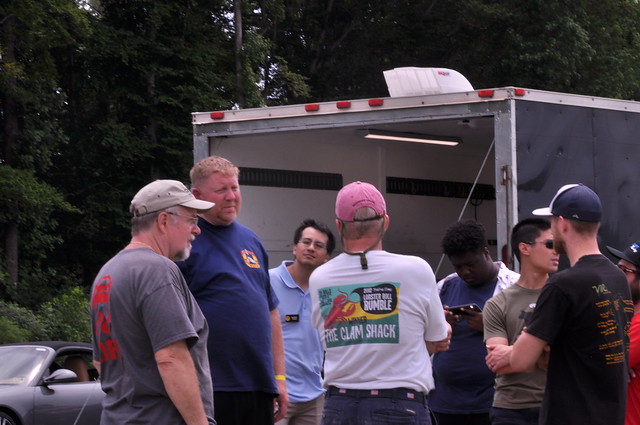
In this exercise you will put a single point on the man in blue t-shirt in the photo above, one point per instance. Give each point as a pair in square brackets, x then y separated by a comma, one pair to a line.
[464, 385]
[313, 244]
[227, 273]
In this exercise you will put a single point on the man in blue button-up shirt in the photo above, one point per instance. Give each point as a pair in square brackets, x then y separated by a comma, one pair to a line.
[313, 244]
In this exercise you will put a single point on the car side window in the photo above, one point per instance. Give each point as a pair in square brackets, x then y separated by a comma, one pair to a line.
[80, 363]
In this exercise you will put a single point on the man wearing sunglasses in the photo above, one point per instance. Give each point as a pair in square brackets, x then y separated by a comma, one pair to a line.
[629, 263]
[518, 396]
[313, 244]
[583, 313]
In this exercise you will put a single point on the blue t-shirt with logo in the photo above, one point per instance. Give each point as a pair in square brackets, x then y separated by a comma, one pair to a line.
[228, 274]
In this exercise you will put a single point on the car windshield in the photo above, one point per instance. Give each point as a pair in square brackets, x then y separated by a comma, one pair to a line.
[19, 364]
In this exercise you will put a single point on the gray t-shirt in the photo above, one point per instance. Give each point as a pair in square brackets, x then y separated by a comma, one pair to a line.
[140, 303]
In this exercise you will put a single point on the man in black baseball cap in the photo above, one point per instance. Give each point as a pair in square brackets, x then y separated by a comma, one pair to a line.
[583, 314]
[629, 263]
[575, 201]
[576, 204]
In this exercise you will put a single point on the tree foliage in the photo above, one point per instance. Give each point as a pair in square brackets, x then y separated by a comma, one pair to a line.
[150, 64]
[66, 317]
[63, 318]
[33, 206]
[18, 324]
[587, 47]
[33, 36]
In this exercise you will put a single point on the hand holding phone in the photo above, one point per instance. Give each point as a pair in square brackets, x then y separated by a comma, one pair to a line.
[467, 307]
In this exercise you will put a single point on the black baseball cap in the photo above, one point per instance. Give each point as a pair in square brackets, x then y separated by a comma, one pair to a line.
[631, 254]
[575, 201]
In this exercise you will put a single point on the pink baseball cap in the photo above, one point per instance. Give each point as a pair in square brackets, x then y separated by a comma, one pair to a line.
[358, 195]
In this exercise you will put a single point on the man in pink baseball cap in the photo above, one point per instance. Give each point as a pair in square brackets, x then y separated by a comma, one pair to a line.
[361, 203]
[374, 311]
[358, 195]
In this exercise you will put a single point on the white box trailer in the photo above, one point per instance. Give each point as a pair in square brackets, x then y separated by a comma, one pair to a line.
[517, 147]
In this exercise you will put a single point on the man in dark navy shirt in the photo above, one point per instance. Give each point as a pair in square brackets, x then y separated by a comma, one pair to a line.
[464, 385]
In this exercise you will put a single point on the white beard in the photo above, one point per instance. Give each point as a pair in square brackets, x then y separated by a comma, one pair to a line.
[184, 254]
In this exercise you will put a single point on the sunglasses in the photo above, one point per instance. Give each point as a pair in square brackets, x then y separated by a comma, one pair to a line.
[627, 269]
[547, 243]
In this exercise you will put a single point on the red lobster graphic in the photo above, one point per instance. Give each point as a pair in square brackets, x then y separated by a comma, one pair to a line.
[342, 308]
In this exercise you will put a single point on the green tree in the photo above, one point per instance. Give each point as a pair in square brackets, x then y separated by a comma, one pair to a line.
[584, 47]
[10, 332]
[33, 34]
[18, 324]
[146, 67]
[66, 317]
[341, 48]
[32, 206]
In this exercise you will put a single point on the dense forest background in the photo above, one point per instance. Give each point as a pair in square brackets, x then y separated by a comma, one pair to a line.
[96, 96]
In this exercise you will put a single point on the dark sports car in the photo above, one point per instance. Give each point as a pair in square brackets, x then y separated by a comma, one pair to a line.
[50, 383]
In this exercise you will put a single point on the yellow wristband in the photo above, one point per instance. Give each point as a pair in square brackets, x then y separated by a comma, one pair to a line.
[281, 378]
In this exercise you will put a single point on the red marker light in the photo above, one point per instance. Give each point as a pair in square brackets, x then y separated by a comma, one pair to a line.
[519, 92]
[485, 93]
[312, 107]
[343, 104]
[376, 102]
[217, 115]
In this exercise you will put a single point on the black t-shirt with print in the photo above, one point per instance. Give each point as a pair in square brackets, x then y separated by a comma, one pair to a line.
[584, 313]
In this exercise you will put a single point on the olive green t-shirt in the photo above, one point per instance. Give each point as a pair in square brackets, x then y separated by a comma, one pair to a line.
[505, 315]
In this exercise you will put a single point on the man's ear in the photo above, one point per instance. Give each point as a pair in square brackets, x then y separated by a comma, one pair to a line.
[162, 220]
[525, 248]
[563, 224]
[196, 192]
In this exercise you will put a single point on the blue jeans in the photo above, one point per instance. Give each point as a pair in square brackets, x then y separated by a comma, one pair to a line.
[374, 410]
[527, 416]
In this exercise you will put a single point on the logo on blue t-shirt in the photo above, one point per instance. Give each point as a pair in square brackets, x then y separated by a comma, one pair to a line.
[250, 259]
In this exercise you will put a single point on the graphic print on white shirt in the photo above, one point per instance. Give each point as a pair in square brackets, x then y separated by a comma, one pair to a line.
[360, 314]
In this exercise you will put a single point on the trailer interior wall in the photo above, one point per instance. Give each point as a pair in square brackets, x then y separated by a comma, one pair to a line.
[560, 144]
[417, 223]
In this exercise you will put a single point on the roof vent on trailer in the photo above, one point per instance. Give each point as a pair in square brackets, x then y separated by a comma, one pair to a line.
[412, 81]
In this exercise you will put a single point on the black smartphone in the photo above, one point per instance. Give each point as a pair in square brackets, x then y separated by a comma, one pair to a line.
[458, 308]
